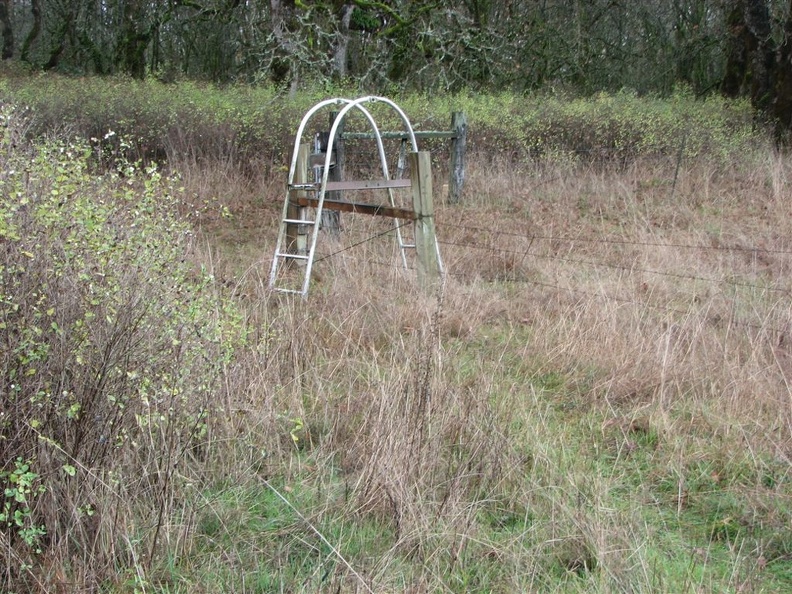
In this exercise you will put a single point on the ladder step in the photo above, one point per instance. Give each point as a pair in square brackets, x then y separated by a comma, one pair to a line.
[292, 291]
[366, 184]
[408, 245]
[299, 222]
[293, 256]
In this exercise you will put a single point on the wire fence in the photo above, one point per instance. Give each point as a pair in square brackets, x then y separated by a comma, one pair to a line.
[524, 248]
[603, 257]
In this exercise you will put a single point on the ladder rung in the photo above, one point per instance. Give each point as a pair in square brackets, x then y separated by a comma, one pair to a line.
[408, 245]
[282, 290]
[293, 256]
[299, 222]
[302, 186]
[368, 184]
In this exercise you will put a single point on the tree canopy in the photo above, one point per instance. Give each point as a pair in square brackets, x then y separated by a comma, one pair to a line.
[737, 47]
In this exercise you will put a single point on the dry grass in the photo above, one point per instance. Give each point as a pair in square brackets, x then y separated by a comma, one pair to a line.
[599, 400]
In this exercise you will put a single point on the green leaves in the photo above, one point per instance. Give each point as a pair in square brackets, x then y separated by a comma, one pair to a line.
[114, 341]
[20, 488]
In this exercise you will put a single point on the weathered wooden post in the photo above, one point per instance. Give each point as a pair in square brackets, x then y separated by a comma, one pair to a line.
[429, 269]
[296, 234]
[331, 219]
[457, 166]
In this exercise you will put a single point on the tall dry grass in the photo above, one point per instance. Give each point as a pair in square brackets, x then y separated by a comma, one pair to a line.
[599, 330]
[597, 398]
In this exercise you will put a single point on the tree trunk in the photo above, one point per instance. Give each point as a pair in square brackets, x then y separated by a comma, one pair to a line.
[60, 36]
[8, 32]
[782, 105]
[758, 68]
[35, 29]
[134, 40]
[747, 51]
[342, 44]
[281, 68]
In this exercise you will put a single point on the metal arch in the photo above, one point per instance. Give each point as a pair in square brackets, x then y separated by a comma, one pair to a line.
[357, 103]
[348, 106]
[301, 129]
[290, 180]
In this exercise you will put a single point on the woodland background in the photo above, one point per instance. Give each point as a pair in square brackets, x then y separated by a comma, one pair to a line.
[740, 48]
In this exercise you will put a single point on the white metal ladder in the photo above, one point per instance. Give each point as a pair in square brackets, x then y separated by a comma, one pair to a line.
[303, 254]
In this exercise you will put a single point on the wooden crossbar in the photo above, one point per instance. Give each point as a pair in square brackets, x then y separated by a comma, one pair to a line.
[359, 207]
[365, 184]
[368, 184]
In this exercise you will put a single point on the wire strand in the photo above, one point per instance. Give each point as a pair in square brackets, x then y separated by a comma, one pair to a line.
[615, 241]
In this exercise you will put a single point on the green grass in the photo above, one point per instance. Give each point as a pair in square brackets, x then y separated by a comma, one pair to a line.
[637, 504]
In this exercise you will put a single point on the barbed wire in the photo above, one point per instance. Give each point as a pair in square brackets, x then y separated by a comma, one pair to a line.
[733, 322]
[362, 241]
[570, 290]
[630, 269]
[616, 241]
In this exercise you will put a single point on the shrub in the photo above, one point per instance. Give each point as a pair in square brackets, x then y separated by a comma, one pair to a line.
[253, 127]
[113, 348]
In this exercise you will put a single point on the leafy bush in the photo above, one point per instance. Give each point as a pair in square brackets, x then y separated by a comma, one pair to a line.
[254, 127]
[114, 345]
[599, 129]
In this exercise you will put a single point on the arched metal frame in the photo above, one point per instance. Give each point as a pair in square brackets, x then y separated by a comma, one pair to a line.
[349, 104]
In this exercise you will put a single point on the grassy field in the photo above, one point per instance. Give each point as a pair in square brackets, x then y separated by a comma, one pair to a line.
[597, 399]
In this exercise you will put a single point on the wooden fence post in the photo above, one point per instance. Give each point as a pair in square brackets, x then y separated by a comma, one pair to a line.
[331, 219]
[425, 237]
[458, 143]
[296, 235]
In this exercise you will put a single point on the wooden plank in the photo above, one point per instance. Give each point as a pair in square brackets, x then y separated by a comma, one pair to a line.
[367, 184]
[389, 135]
[360, 208]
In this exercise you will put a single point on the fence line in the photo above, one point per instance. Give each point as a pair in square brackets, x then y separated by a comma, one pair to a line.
[615, 266]
[590, 263]
[733, 323]
[501, 232]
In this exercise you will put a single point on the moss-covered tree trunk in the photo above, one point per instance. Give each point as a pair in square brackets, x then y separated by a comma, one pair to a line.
[7, 29]
[757, 67]
[35, 30]
[782, 108]
[134, 38]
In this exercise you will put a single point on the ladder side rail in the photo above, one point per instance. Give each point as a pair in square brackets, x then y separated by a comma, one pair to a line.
[358, 103]
[292, 169]
[283, 226]
[279, 242]
[301, 129]
[391, 199]
[401, 165]
[326, 172]
[414, 143]
[404, 118]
